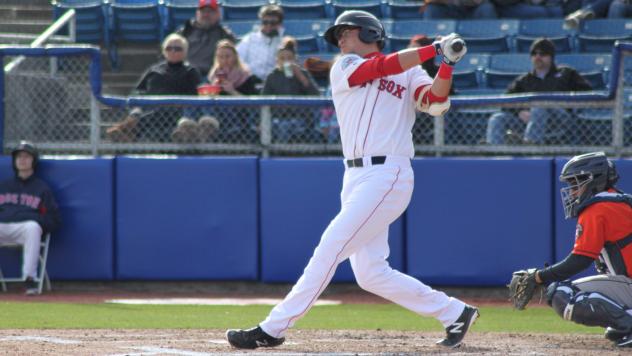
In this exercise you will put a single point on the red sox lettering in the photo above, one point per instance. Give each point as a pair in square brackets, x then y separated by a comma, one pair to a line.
[391, 87]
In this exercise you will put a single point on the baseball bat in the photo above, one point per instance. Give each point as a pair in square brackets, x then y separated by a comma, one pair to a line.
[457, 46]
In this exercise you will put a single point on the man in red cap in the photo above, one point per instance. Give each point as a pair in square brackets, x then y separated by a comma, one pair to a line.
[203, 32]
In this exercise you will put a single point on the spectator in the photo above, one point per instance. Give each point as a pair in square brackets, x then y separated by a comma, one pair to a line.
[170, 77]
[234, 78]
[230, 73]
[459, 9]
[203, 33]
[328, 122]
[28, 211]
[288, 78]
[620, 9]
[589, 9]
[529, 9]
[539, 125]
[258, 48]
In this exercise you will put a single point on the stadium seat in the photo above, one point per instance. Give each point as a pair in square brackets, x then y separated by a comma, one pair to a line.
[372, 6]
[178, 12]
[404, 9]
[504, 68]
[90, 15]
[595, 125]
[42, 274]
[552, 29]
[241, 28]
[488, 35]
[599, 35]
[136, 21]
[307, 33]
[303, 9]
[242, 9]
[400, 32]
[590, 66]
[467, 74]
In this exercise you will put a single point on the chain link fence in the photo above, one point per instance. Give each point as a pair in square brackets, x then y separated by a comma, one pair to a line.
[49, 100]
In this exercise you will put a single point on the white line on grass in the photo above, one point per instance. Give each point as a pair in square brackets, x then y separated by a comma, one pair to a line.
[52, 340]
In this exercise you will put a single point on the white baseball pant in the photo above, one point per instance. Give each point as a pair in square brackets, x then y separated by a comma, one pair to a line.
[28, 234]
[372, 198]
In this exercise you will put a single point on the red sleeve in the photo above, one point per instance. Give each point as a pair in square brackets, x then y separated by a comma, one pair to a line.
[429, 96]
[590, 233]
[383, 66]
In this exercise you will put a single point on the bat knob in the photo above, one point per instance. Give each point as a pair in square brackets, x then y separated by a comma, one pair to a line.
[457, 46]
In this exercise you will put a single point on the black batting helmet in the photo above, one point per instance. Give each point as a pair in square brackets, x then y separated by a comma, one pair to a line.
[28, 147]
[371, 29]
[586, 175]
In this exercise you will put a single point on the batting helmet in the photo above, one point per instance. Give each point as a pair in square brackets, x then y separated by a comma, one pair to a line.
[25, 146]
[586, 175]
[371, 29]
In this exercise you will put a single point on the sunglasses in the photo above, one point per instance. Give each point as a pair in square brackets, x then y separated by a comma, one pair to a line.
[539, 53]
[174, 49]
[270, 22]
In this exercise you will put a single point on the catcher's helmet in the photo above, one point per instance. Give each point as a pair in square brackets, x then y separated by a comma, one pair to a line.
[586, 175]
[25, 146]
[371, 29]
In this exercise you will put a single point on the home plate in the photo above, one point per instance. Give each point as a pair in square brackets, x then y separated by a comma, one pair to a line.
[211, 301]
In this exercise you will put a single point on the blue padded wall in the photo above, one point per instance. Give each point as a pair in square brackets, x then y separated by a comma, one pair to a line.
[186, 218]
[565, 229]
[474, 221]
[83, 247]
[299, 197]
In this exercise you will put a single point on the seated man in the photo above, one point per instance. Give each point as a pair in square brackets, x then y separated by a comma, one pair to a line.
[27, 211]
[538, 125]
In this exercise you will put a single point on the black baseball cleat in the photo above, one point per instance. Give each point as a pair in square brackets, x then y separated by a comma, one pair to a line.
[252, 338]
[456, 332]
[625, 341]
[615, 335]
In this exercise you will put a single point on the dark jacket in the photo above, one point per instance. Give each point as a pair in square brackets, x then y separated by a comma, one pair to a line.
[560, 78]
[169, 79]
[278, 84]
[202, 43]
[28, 199]
[249, 87]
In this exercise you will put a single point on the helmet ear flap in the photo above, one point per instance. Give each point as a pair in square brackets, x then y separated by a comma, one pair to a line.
[612, 175]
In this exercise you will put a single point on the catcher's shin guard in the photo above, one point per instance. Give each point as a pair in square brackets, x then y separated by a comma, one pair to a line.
[559, 295]
[595, 309]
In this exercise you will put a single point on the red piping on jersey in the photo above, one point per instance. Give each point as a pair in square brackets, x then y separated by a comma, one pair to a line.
[376, 66]
[331, 268]
[355, 141]
[370, 120]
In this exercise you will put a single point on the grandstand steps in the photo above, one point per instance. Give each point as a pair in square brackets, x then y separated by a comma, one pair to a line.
[26, 3]
[24, 26]
[8, 12]
[134, 59]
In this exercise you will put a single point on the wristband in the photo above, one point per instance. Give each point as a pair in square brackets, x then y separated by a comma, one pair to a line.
[425, 53]
[445, 71]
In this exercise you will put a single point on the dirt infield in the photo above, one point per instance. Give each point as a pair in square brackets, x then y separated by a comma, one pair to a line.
[211, 342]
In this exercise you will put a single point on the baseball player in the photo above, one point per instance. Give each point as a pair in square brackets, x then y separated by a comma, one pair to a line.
[375, 97]
[604, 236]
[27, 210]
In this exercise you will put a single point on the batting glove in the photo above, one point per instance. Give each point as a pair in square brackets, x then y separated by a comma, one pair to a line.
[452, 47]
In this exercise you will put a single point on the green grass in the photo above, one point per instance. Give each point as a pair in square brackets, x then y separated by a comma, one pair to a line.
[14, 315]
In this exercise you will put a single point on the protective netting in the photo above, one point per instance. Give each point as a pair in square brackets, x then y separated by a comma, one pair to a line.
[48, 100]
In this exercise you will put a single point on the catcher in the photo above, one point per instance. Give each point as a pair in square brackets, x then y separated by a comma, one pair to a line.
[603, 236]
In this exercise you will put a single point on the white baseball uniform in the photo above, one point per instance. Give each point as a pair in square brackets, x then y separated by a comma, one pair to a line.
[376, 119]
[28, 234]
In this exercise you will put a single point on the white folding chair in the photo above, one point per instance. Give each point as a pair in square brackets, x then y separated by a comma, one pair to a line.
[42, 274]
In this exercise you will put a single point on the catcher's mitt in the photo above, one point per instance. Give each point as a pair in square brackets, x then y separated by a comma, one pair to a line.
[522, 287]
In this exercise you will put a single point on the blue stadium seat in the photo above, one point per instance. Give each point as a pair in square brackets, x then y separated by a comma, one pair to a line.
[552, 29]
[136, 21]
[242, 9]
[488, 35]
[590, 66]
[504, 68]
[90, 15]
[595, 125]
[303, 9]
[400, 32]
[467, 75]
[372, 6]
[178, 12]
[241, 28]
[404, 9]
[599, 35]
[307, 33]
